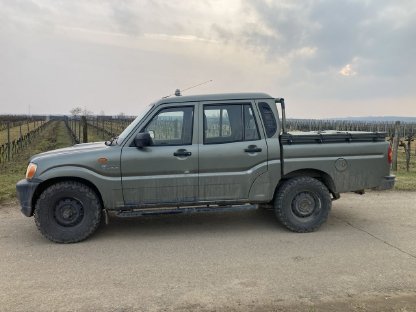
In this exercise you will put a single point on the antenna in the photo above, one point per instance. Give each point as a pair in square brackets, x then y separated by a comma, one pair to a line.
[178, 92]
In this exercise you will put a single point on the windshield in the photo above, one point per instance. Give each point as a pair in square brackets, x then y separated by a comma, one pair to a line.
[131, 126]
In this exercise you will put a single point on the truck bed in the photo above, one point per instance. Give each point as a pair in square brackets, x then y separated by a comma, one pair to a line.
[354, 160]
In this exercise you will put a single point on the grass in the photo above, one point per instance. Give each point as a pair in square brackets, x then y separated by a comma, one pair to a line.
[54, 136]
[405, 181]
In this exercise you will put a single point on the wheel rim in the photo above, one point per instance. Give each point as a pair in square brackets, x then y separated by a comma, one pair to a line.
[68, 212]
[305, 204]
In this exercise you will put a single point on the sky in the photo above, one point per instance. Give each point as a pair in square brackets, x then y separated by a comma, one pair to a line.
[326, 58]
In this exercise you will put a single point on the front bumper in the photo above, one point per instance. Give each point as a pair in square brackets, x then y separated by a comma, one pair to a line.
[387, 183]
[25, 190]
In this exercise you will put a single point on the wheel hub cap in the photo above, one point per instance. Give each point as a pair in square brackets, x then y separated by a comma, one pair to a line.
[68, 212]
[304, 204]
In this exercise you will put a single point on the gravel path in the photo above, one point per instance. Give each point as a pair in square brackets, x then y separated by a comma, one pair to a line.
[365, 256]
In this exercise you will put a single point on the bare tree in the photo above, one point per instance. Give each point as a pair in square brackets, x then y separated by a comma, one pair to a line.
[76, 111]
[79, 111]
[86, 112]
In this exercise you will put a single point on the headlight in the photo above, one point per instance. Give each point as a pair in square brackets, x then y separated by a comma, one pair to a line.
[31, 170]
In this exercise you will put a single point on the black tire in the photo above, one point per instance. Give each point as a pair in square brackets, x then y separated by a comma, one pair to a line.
[67, 212]
[302, 204]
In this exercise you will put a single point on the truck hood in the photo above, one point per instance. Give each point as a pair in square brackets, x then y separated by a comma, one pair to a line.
[75, 149]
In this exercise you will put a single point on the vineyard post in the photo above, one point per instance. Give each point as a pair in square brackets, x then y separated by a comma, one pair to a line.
[102, 125]
[8, 140]
[413, 132]
[79, 130]
[408, 151]
[20, 137]
[85, 129]
[396, 142]
[20, 130]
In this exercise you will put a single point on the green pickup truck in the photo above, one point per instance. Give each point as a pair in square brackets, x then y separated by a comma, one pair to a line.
[202, 153]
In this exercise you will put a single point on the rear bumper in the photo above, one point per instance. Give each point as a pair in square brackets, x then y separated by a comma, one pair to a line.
[25, 190]
[387, 183]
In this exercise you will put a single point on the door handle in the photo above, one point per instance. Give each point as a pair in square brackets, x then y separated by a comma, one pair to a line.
[182, 153]
[252, 149]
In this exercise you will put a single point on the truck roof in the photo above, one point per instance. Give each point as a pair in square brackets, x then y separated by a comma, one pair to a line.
[215, 97]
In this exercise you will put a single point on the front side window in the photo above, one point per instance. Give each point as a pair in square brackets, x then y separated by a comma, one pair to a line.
[171, 126]
[229, 123]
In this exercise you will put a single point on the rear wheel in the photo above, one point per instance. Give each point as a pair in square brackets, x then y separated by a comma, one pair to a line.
[67, 212]
[302, 204]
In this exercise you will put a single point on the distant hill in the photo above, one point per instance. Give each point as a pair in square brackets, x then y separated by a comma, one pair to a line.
[379, 119]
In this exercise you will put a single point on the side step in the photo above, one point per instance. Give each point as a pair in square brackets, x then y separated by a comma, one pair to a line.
[193, 209]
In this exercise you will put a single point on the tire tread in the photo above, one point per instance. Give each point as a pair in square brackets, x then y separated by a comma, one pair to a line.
[283, 191]
[78, 187]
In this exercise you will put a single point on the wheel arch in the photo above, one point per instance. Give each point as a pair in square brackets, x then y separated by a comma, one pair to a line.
[45, 184]
[320, 175]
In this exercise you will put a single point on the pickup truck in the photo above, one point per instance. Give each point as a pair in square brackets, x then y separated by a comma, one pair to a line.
[202, 153]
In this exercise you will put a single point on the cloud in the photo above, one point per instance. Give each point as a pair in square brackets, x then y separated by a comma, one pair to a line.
[347, 71]
[339, 31]
[314, 49]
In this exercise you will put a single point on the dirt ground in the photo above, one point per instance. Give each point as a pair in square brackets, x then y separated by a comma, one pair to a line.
[362, 259]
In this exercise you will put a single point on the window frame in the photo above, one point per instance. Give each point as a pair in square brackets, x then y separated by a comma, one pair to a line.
[255, 123]
[242, 115]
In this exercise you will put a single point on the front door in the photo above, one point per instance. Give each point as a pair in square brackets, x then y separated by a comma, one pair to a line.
[233, 152]
[167, 171]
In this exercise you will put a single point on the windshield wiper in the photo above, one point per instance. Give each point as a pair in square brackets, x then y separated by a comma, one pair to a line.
[112, 140]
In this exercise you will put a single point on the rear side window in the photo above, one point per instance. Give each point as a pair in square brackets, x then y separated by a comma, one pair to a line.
[229, 123]
[268, 119]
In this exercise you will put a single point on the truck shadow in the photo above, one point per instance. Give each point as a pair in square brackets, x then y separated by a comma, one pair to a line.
[214, 223]
[191, 224]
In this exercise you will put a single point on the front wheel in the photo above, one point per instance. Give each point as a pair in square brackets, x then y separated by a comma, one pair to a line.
[67, 212]
[302, 204]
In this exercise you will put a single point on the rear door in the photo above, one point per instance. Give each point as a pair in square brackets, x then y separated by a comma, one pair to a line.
[232, 150]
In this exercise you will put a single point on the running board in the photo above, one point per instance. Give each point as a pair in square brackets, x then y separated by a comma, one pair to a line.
[162, 211]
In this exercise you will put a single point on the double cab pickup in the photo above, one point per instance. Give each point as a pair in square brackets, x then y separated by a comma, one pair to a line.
[202, 153]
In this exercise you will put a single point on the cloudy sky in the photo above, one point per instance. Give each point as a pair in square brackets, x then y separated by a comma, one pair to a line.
[327, 58]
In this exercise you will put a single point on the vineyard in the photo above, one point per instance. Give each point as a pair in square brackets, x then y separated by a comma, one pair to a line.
[92, 129]
[405, 128]
[21, 137]
[16, 133]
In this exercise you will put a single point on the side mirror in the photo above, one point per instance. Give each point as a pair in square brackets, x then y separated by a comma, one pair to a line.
[142, 139]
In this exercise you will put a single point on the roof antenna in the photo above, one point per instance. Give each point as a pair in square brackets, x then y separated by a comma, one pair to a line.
[179, 93]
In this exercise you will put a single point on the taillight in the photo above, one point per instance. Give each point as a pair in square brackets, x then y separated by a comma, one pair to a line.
[390, 155]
